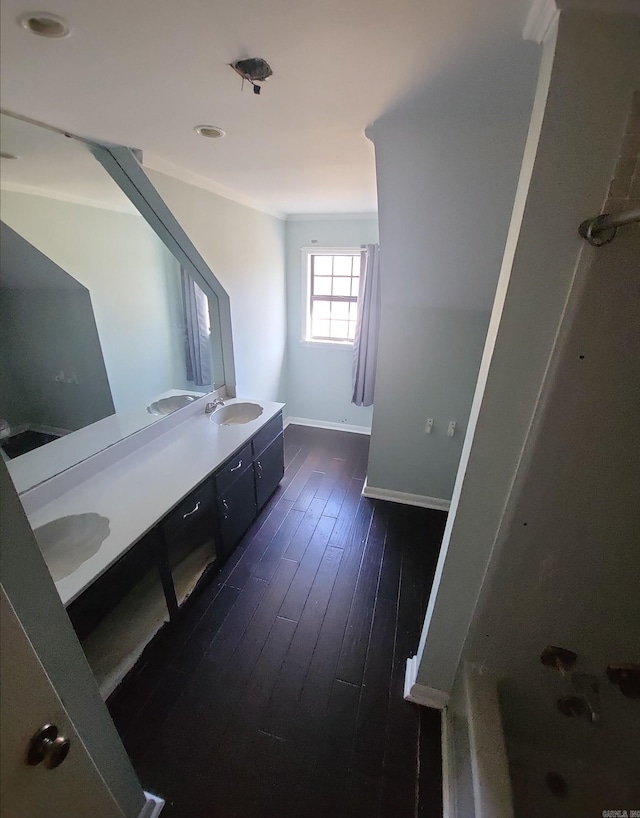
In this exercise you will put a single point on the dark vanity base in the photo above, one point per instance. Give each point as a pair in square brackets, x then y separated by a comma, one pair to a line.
[124, 608]
[24, 442]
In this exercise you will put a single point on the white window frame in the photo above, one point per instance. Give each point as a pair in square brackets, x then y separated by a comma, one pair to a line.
[307, 252]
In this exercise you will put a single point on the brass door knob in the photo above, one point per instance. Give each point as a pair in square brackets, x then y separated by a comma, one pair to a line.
[48, 747]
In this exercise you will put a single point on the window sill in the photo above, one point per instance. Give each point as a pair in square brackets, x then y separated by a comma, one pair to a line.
[347, 345]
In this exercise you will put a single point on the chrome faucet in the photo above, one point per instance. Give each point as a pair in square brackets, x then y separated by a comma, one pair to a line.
[211, 407]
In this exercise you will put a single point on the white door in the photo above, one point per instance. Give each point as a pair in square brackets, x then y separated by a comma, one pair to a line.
[29, 701]
[45, 679]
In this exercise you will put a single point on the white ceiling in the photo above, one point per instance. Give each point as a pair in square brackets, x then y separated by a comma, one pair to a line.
[144, 73]
[50, 164]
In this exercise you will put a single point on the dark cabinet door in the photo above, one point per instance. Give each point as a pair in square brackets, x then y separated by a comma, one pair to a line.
[269, 470]
[236, 511]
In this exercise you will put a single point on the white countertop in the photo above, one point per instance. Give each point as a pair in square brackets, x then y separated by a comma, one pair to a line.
[136, 492]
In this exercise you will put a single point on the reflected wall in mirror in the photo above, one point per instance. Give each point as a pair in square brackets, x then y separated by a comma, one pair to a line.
[98, 321]
[50, 385]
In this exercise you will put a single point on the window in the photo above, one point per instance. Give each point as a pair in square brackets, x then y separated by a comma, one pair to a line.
[333, 282]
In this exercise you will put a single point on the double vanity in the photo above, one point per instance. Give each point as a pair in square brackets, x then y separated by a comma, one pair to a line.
[127, 545]
[134, 490]
[118, 336]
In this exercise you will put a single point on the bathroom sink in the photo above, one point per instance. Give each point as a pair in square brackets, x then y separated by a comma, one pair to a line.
[165, 406]
[69, 541]
[236, 413]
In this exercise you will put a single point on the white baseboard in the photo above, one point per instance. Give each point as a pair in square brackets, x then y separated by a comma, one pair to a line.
[328, 424]
[152, 806]
[403, 497]
[421, 694]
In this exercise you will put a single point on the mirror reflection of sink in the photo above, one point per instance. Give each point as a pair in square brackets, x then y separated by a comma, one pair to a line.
[69, 541]
[165, 406]
[236, 413]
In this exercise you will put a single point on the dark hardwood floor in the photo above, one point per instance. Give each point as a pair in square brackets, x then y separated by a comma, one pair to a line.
[278, 693]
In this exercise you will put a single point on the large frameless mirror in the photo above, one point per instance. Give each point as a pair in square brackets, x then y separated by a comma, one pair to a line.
[103, 328]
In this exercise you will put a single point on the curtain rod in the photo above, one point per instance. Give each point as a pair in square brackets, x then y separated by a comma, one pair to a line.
[608, 223]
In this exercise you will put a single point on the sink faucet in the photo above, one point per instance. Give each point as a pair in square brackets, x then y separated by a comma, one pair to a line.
[210, 407]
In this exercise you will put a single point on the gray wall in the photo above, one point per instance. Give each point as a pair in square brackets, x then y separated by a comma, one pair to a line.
[566, 571]
[570, 575]
[245, 250]
[569, 162]
[134, 286]
[47, 327]
[427, 366]
[319, 378]
[447, 167]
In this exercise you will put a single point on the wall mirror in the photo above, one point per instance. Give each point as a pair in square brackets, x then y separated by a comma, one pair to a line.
[103, 328]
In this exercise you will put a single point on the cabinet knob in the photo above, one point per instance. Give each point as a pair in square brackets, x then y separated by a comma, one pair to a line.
[48, 747]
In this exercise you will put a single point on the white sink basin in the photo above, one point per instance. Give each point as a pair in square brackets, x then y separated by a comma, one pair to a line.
[69, 541]
[236, 413]
[165, 406]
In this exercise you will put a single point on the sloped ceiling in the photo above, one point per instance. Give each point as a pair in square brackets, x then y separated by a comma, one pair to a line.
[145, 73]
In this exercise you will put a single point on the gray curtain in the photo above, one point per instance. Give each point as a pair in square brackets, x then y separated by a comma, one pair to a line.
[365, 344]
[197, 343]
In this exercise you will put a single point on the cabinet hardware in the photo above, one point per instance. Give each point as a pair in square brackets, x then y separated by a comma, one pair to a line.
[193, 511]
[226, 508]
[259, 465]
[235, 468]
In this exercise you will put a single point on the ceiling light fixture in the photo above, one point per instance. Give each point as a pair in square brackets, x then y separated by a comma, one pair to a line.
[210, 131]
[4, 155]
[45, 25]
[253, 69]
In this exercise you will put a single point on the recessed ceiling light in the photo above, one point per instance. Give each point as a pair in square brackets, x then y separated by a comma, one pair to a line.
[4, 155]
[44, 24]
[210, 131]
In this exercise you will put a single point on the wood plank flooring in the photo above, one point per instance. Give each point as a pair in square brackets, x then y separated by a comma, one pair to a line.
[278, 693]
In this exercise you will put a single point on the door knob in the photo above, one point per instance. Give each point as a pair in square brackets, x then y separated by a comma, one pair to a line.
[48, 747]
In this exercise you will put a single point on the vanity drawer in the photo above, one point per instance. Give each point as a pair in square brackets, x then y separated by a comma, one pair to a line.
[232, 469]
[189, 546]
[267, 434]
[190, 521]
